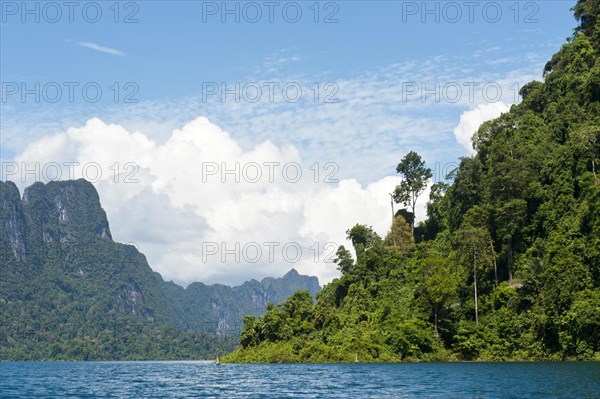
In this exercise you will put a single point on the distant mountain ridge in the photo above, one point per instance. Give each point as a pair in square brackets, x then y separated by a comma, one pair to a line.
[68, 291]
[220, 308]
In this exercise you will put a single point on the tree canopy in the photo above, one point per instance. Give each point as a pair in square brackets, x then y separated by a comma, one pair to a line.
[507, 264]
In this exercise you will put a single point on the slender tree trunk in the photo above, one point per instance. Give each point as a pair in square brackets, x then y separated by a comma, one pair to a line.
[435, 317]
[412, 225]
[495, 265]
[509, 259]
[594, 170]
[392, 203]
[475, 286]
[393, 218]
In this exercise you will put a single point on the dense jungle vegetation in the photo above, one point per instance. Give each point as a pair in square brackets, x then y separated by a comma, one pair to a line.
[506, 265]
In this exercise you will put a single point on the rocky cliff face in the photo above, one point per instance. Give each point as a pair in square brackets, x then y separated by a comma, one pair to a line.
[12, 229]
[56, 215]
[55, 243]
[58, 263]
[64, 212]
[220, 309]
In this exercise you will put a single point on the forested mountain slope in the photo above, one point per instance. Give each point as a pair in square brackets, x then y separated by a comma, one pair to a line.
[220, 308]
[68, 291]
[507, 265]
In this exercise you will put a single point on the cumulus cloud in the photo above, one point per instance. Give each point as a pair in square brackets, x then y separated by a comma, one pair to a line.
[472, 119]
[376, 121]
[202, 208]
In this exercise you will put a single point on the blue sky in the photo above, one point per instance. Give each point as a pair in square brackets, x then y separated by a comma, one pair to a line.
[176, 46]
[170, 49]
[368, 59]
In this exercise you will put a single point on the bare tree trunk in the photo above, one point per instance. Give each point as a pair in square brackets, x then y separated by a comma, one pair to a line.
[392, 203]
[509, 259]
[475, 286]
[393, 219]
[435, 317]
[495, 265]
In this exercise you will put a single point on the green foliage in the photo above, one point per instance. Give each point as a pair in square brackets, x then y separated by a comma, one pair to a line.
[415, 176]
[400, 237]
[362, 237]
[507, 265]
[344, 260]
[68, 292]
[439, 283]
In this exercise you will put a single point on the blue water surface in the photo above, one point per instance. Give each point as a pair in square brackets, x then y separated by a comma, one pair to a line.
[206, 380]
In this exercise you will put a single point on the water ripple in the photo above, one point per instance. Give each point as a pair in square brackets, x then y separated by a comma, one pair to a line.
[157, 380]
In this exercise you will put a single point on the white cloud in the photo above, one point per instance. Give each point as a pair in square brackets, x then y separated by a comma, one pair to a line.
[366, 133]
[472, 119]
[100, 48]
[172, 212]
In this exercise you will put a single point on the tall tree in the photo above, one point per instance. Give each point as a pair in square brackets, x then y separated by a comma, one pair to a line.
[475, 251]
[344, 260]
[399, 237]
[438, 284]
[511, 218]
[362, 237]
[437, 211]
[415, 178]
[589, 138]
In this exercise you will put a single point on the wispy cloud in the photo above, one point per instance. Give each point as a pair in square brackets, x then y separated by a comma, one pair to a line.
[379, 119]
[362, 136]
[102, 49]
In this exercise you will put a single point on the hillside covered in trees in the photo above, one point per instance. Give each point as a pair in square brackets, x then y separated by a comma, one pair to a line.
[507, 264]
[69, 292]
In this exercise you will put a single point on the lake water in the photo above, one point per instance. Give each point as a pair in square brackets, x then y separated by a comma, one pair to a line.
[204, 380]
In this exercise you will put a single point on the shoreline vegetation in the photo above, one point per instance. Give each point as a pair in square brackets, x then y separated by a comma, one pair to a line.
[279, 360]
[506, 267]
